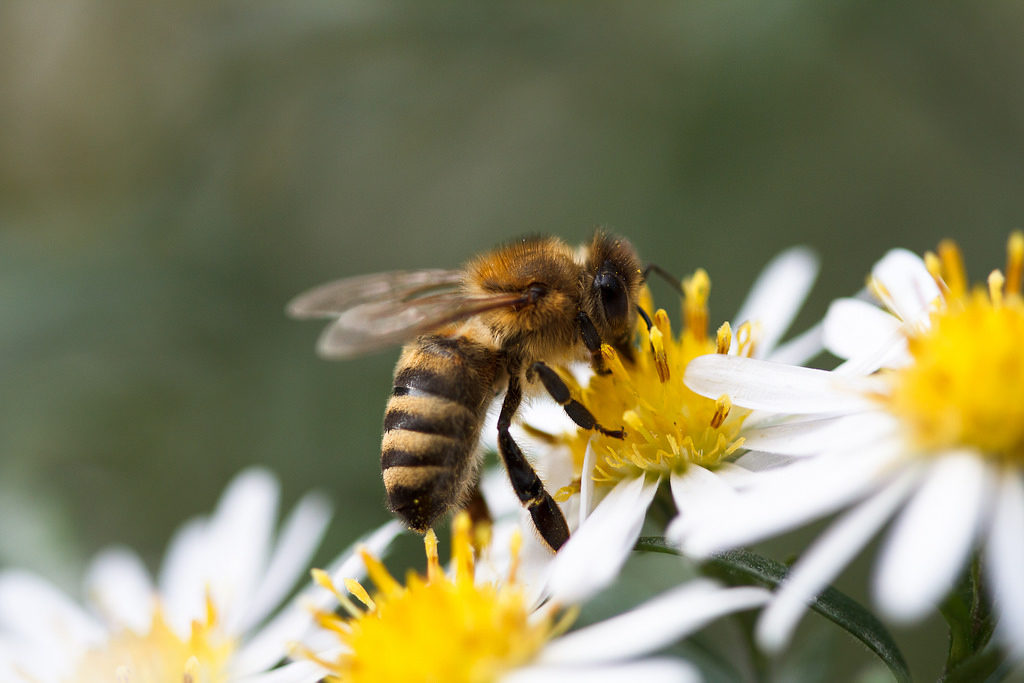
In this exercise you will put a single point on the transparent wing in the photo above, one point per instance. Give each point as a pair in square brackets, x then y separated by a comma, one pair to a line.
[375, 311]
[334, 298]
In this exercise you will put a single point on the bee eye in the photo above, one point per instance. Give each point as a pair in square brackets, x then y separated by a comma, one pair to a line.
[613, 296]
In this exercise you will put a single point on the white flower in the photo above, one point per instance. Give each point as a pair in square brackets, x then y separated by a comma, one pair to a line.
[467, 626]
[935, 439]
[670, 432]
[208, 617]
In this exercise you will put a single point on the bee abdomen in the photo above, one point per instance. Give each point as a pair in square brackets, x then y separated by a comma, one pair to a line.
[431, 426]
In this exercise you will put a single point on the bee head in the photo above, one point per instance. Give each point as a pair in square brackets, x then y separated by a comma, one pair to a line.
[615, 277]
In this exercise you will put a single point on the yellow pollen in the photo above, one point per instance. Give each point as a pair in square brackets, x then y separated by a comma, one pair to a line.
[439, 628]
[965, 386]
[667, 426]
[160, 655]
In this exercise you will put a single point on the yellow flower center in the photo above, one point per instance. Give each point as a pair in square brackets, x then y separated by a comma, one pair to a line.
[667, 426]
[435, 628]
[160, 655]
[965, 387]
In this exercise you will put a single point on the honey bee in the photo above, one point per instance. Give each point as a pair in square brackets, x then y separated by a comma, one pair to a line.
[495, 325]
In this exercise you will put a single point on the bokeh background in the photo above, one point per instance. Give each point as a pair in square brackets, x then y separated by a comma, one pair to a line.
[172, 172]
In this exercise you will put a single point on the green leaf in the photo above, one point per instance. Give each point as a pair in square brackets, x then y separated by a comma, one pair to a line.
[741, 567]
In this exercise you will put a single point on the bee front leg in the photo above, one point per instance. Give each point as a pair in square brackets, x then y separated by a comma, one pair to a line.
[576, 411]
[592, 340]
[547, 517]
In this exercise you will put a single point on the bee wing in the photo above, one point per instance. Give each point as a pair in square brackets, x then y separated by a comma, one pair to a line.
[376, 324]
[335, 298]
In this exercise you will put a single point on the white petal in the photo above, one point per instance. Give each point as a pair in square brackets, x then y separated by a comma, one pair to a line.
[298, 540]
[587, 481]
[825, 558]
[698, 491]
[759, 384]
[909, 286]
[294, 622]
[929, 542]
[1004, 558]
[182, 575]
[655, 670]
[40, 613]
[811, 437]
[736, 476]
[592, 557]
[295, 672]
[761, 461]
[789, 497]
[855, 329]
[240, 535]
[778, 293]
[656, 623]
[497, 491]
[119, 585]
[801, 348]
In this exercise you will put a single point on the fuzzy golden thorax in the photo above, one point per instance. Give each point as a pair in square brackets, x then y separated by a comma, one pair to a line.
[562, 283]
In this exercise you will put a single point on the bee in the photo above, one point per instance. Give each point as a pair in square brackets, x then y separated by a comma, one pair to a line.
[496, 325]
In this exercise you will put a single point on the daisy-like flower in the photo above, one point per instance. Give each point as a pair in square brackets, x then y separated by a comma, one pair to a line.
[671, 433]
[205, 619]
[934, 439]
[456, 628]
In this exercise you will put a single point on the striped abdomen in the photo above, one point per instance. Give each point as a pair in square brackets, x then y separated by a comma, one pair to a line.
[441, 391]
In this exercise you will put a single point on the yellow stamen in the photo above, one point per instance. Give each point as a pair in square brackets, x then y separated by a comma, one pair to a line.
[1014, 262]
[934, 266]
[379, 573]
[356, 589]
[995, 287]
[953, 267]
[433, 562]
[323, 579]
[667, 426]
[965, 386]
[449, 629]
[723, 340]
[722, 407]
[160, 654]
[696, 290]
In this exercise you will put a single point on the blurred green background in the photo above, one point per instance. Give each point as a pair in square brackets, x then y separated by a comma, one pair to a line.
[172, 172]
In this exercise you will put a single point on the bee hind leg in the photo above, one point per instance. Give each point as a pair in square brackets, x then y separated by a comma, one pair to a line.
[576, 411]
[547, 516]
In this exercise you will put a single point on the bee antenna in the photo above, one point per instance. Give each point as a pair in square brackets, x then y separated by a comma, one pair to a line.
[665, 275]
[646, 318]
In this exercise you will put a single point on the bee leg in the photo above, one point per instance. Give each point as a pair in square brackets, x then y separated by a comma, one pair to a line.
[547, 517]
[592, 340]
[576, 411]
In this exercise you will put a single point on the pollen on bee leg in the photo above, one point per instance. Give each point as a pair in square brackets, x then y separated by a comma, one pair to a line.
[953, 267]
[722, 407]
[723, 338]
[1014, 262]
